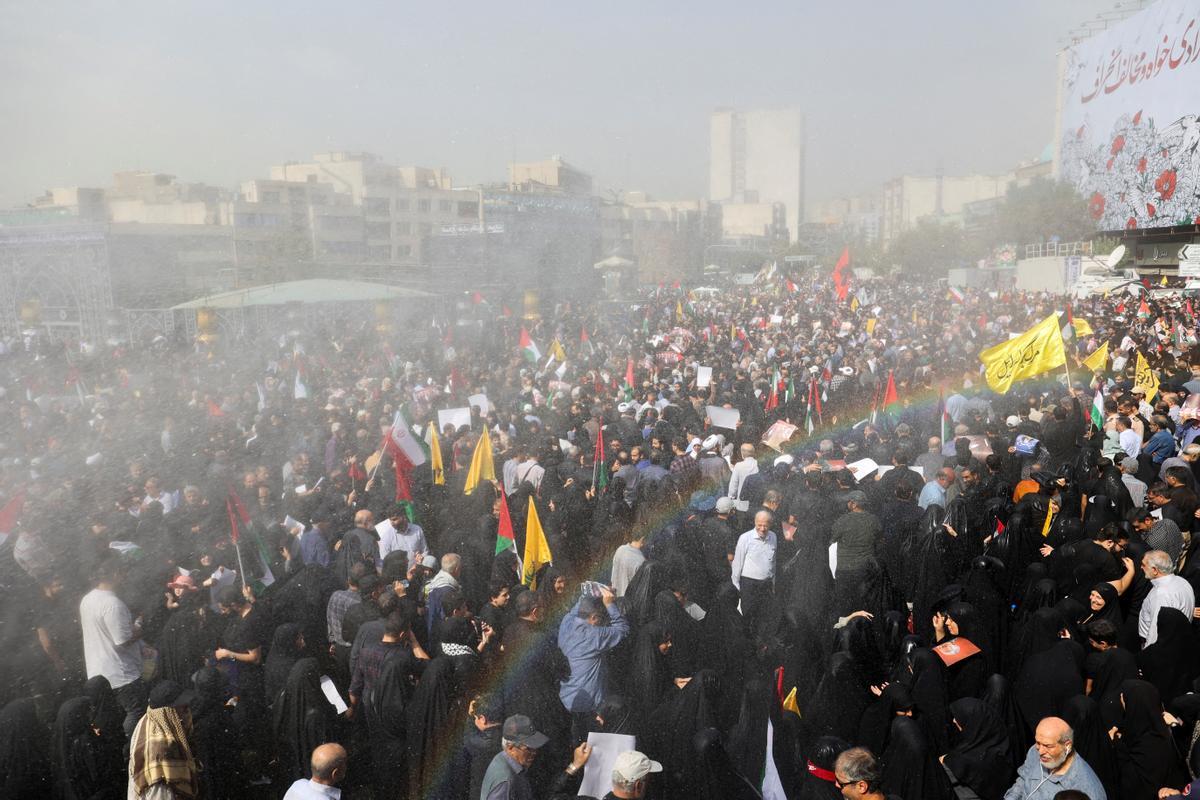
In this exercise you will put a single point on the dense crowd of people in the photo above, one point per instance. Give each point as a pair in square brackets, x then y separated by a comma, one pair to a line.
[220, 579]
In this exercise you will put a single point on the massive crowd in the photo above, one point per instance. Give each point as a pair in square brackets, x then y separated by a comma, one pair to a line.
[218, 582]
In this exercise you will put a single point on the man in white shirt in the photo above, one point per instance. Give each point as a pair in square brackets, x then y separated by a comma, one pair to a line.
[626, 561]
[1129, 439]
[753, 568]
[397, 533]
[1137, 489]
[111, 645]
[1167, 590]
[328, 769]
[741, 470]
[528, 470]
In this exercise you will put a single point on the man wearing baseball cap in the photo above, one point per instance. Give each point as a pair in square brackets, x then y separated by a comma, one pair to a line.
[630, 775]
[506, 777]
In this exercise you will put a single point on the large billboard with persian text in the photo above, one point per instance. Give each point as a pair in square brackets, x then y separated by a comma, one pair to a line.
[1130, 119]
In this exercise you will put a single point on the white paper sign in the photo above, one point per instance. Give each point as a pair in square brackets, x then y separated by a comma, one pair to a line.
[833, 560]
[703, 377]
[862, 468]
[597, 773]
[458, 417]
[480, 400]
[331, 694]
[727, 418]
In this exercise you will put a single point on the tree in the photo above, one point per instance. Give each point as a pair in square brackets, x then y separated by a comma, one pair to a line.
[930, 248]
[1040, 211]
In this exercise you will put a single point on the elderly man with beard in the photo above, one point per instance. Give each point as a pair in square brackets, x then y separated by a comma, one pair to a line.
[1052, 766]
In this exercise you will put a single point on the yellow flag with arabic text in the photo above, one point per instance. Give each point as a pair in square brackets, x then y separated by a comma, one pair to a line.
[1037, 350]
[1146, 378]
[1097, 360]
[435, 456]
[483, 466]
[537, 549]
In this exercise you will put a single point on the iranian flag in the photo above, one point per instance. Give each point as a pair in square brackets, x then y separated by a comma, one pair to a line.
[406, 453]
[1098, 410]
[773, 398]
[528, 348]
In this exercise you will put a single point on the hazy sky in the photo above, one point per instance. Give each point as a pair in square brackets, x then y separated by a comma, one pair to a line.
[214, 92]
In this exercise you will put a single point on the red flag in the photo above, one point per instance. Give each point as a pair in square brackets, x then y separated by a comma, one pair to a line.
[629, 373]
[1070, 317]
[675, 285]
[791, 287]
[214, 410]
[10, 515]
[476, 298]
[505, 311]
[889, 395]
[583, 336]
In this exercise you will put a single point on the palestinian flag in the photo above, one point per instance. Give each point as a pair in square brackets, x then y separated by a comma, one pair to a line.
[505, 540]
[599, 465]
[628, 380]
[528, 348]
[1097, 410]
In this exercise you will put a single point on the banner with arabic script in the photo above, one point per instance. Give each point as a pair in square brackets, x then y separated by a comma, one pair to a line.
[1129, 136]
[1037, 350]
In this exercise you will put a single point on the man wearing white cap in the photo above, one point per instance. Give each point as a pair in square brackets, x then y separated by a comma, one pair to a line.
[713, 467]
[630, 774]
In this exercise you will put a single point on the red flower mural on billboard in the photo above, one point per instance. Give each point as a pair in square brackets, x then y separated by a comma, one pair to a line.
[1118, 145]
[1165, 185]
[1096, 206]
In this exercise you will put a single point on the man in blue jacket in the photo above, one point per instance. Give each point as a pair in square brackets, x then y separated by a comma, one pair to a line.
[588, 631]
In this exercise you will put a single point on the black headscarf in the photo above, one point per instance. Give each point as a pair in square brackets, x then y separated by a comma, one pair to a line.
[817, 781]
[617, 715]
[927, 683]
[386, 710]
[1146, 756]
[980, 757]
[1051, 672]
[108, 718]
[748, 739]
[1109, 669]
[281, 658]
[910, 767]
[183, 641]
[429, 712]
[838, 705]
[676, 723]
[1170, 663]
[80, 771]
[649, 674]
[303, 719]
[714, 777]
[1091, 739]
[1112, 605]
[215, 736]
[24, 765]
[997, 694]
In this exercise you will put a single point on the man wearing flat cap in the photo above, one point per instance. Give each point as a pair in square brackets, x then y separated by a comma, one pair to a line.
[506, 777]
